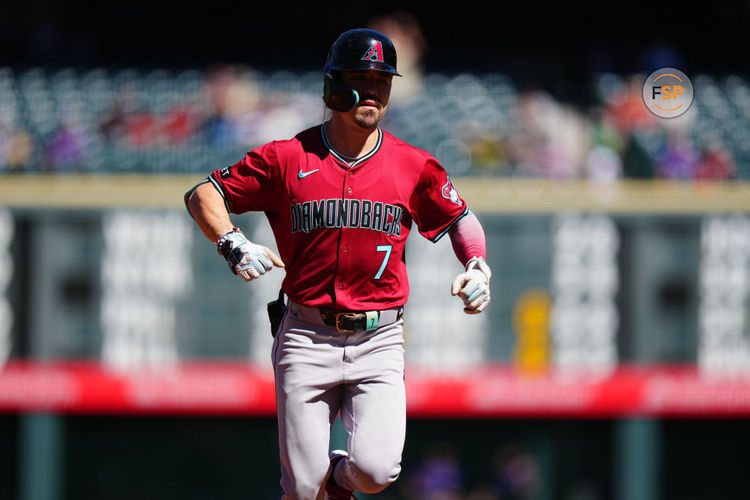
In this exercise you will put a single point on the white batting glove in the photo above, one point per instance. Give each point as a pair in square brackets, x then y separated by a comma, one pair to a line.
[245, 259]
[473, 286]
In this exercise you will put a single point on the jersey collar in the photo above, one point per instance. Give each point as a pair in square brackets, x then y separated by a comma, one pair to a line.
[348, 162]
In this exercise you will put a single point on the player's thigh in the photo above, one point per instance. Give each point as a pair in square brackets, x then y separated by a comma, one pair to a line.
[374, 409]
[376, 415]
[305, 359]
[306, 376]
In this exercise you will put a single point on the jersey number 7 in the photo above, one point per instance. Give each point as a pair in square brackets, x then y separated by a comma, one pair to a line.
[387, 249]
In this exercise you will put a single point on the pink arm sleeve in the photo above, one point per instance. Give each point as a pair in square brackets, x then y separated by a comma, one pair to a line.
[467, 238]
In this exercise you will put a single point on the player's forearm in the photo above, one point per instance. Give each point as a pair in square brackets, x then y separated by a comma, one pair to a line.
[207, 208]
[468, 239]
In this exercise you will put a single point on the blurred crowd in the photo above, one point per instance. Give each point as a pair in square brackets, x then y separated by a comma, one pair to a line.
[162, 121]
[111, 121]
[614, 139]
[512, 472]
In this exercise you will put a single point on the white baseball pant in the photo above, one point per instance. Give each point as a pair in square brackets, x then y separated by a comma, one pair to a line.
[320, 371]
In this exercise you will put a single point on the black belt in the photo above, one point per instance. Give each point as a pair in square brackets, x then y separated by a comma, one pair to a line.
[351, 321]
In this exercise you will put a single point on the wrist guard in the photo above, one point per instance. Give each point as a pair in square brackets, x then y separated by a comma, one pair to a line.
[229, 247]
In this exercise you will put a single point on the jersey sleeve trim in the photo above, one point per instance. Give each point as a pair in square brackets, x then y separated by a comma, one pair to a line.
[449, 226]
[221, 192]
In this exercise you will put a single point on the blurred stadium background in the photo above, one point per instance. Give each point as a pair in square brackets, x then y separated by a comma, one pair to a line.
[612, 364]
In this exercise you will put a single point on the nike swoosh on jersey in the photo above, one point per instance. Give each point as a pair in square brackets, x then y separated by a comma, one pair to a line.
[302, 175]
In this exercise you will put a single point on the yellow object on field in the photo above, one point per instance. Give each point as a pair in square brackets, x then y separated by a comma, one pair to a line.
[531, 354]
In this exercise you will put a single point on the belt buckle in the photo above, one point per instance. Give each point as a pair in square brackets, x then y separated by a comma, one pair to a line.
[370, 321]
[338, 325]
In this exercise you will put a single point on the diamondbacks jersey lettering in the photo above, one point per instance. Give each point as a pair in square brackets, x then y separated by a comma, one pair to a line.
[350, 220]
[364, 214]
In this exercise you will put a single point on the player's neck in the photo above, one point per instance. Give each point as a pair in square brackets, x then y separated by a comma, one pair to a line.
[350, 140]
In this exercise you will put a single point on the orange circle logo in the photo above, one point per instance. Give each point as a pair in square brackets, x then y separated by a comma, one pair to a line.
[667, 92]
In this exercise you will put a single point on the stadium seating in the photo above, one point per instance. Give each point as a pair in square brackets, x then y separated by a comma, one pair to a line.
[163, 120]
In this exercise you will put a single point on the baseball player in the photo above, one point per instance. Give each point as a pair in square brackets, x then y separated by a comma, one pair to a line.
[341, 198]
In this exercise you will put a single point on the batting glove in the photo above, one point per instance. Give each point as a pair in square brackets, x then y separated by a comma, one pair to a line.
[247, 260]
[473, 286]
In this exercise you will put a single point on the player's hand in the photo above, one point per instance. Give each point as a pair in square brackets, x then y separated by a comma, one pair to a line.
[245, 259]
[473, 286]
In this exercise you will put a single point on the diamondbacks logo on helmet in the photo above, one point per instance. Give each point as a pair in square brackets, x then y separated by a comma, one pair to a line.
[374, 53]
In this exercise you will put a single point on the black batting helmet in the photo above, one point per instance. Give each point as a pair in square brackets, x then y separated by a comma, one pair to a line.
[357, 49]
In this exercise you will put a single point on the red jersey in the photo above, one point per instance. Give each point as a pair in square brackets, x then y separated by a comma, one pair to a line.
[341, 229]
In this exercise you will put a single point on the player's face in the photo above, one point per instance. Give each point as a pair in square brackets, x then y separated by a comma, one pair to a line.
[374, 89]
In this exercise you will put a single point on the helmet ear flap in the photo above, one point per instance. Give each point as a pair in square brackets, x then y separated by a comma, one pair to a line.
[338, 96]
